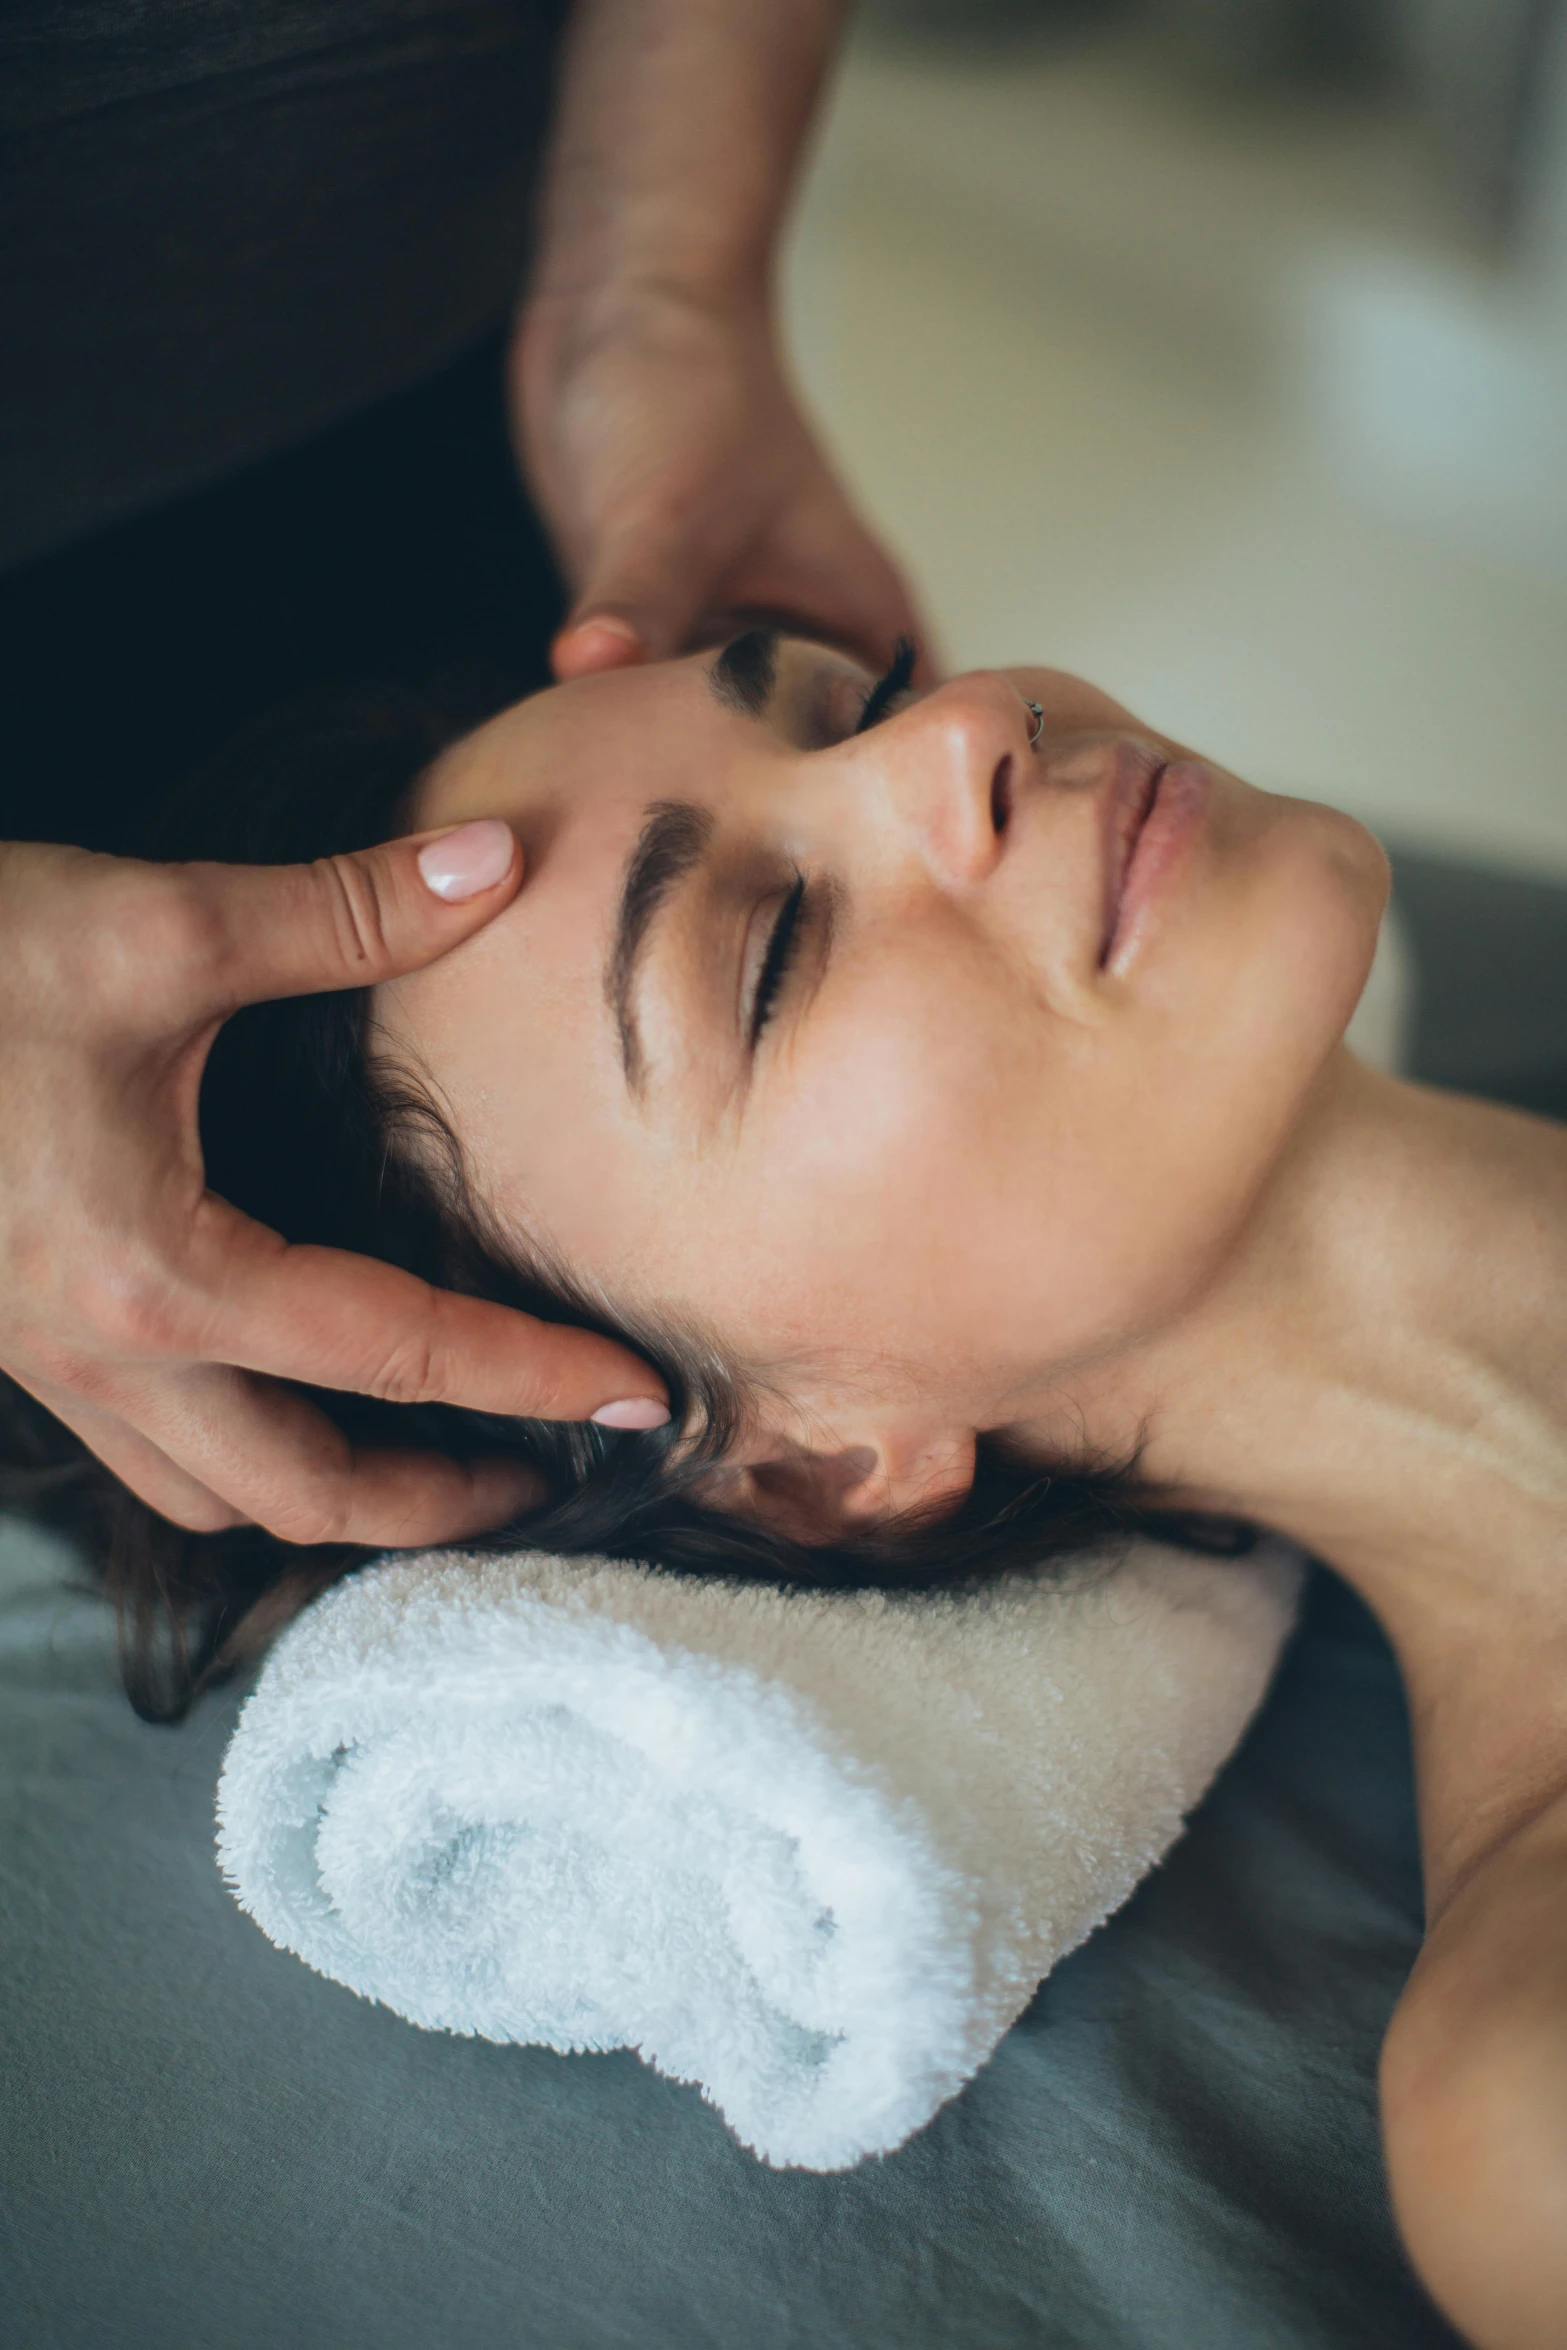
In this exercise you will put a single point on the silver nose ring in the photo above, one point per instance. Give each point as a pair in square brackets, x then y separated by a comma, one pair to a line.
[1038, 727]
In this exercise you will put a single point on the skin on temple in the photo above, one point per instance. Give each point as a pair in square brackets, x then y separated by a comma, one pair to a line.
[988, 1167]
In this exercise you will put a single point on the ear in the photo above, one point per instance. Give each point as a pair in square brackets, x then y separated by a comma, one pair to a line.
[816, 1494]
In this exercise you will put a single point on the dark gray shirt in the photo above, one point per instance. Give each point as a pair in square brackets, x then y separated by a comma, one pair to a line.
[226, 223]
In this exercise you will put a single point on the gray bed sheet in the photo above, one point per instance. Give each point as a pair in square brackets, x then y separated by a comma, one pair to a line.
[205, 2147]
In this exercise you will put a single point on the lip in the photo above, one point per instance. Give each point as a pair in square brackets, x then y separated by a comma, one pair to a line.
[1152, 809]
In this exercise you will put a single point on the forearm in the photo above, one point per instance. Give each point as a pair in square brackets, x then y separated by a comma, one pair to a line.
[655, 422]
[679, 126]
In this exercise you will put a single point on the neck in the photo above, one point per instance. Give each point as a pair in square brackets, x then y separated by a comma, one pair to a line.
[1381, 1374]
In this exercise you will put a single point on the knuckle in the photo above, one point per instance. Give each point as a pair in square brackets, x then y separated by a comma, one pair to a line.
[410, 1373]
[103, 952]
[161, 930]
[316, 1503]
[310, 1521]
[96, 1290]
[311, 1500]
[198, 1513]
[132, 1312]
[357, 910]
[47, 1365]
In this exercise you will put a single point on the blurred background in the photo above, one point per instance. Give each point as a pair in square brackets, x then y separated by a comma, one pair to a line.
[1218, 349]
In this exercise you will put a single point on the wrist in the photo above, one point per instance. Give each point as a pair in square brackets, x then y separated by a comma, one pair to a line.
[582, 296]
[560, 325]
[677, 135]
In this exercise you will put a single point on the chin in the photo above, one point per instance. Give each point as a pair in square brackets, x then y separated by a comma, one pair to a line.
[1346, 878]
[1305, 887]
[1292, 946]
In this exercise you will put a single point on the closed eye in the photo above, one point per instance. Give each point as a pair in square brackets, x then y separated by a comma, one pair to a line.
[894, 680]
[776, 961]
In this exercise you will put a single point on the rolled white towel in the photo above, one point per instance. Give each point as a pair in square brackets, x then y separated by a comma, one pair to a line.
[811, 1851]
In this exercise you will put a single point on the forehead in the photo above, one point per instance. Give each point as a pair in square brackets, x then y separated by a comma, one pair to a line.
[513, 1027]
[572, 770]
[628, 736]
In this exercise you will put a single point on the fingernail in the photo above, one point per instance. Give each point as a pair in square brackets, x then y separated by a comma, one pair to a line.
[609, 623]
[637, 1411]
[458, 865]
[599, 641]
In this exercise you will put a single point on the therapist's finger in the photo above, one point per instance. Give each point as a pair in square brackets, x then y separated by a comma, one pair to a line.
[276, 1461]
[239, 934]
[334, 1320]
[823, 567]
[649, 580]
[137, 1462]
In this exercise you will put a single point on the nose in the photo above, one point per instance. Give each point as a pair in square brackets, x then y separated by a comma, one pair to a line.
[946, 771]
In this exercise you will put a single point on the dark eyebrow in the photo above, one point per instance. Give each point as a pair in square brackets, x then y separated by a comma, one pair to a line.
[673, 839]
[742, 677]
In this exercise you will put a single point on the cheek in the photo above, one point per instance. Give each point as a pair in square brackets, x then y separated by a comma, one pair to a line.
[968, 1207]
[950, 1180]
[892, 1181]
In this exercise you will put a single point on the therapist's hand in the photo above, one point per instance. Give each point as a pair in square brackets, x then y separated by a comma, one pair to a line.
[147, 1313]
[682, 486]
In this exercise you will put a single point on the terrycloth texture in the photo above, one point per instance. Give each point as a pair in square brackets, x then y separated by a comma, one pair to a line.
[813, 1853]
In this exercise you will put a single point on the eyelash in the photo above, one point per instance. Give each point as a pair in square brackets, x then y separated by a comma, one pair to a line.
[776, 961]
[893, 681]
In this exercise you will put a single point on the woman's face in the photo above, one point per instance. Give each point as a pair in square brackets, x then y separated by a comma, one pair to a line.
[921, 1069]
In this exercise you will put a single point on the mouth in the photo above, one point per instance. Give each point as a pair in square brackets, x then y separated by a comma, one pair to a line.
[1151, 809]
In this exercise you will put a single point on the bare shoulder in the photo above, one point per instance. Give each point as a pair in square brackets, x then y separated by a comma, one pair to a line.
[1474, 2095]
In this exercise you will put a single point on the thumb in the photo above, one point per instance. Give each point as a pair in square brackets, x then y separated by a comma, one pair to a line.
[641, 598]
[347, 921]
